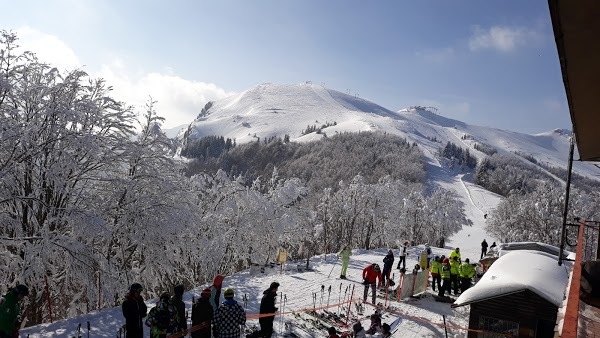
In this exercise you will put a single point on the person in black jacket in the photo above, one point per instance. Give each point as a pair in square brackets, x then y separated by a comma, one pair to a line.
[267, 305]
[388, 262]
[134, 309]
[179, 305]
[202, 314]
[484, 247]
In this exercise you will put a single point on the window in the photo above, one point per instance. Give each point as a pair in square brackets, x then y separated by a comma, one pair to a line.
[497, 325]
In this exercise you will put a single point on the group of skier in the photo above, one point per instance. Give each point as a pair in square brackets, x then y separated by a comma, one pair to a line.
[448, 274]
[210, 318]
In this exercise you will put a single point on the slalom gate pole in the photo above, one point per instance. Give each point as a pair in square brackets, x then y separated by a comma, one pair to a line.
[328, 294]
[349, 306]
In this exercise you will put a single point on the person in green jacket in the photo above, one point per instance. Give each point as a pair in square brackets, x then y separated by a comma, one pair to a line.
[10, 310]
[436, 270]
[445, 274]
[345, 255]
[455, 253]
[467, 271]
[454, 271]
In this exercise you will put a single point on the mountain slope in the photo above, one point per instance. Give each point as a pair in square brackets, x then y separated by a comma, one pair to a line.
[269, 110]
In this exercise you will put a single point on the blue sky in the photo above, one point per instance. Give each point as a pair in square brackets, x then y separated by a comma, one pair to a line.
[490, 63]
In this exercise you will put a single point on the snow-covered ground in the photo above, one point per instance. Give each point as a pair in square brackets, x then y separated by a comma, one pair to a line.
[298, 288]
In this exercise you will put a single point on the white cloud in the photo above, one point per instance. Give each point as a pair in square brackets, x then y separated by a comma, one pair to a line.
[436, 55]
[503, 38]
[48, 48]
[179, 100]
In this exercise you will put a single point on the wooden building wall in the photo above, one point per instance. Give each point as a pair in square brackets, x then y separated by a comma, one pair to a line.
[524, 308]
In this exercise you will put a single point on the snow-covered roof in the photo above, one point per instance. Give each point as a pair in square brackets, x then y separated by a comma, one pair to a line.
[520, 270]
[505, 248]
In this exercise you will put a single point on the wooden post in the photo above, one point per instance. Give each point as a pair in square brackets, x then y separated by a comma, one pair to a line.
[399, 288]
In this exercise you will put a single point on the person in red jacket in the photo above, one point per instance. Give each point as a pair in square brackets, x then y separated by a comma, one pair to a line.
[370, 275]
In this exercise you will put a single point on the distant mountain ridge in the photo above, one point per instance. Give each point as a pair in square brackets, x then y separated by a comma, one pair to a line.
[269, 110]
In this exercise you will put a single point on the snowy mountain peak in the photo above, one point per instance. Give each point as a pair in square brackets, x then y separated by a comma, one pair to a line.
[307, 112]
[278, 109]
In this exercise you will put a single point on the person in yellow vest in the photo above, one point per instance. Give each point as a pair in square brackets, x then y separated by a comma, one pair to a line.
[455, 253]
[445, 274]
[454, 267]
[436, 270]
[423, 260]
[345, 256]
[467, 271]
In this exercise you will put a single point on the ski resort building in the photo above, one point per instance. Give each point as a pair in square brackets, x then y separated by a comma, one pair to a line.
[520, 294]
[576, 33]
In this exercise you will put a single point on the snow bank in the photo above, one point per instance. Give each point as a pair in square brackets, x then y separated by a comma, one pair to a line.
[521, 270]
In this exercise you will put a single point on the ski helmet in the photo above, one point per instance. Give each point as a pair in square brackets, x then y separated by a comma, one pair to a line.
[178, 289]
[228, 293]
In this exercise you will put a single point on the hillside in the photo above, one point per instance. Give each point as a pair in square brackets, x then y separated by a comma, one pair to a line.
[269, 110]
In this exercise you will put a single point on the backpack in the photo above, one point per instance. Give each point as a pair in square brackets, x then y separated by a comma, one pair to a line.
[428, 250]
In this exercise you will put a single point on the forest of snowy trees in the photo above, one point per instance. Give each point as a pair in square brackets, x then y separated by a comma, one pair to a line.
[93, 197]
[534, 199]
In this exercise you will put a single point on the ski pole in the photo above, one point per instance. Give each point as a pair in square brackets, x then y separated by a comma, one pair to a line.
[79, 330]
[314, 301]
[328, 294]
[282, 326]
[88, 327]
[348, 311]
[339, 298]
[322, 292]
[334, 264]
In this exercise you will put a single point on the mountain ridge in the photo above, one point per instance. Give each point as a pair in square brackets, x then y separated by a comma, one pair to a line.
[274, 110]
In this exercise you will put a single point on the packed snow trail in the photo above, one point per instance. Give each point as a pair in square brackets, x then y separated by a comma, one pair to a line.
[478, 202]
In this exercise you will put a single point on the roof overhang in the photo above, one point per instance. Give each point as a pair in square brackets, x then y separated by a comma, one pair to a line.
[576, 27]
[483, 299]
